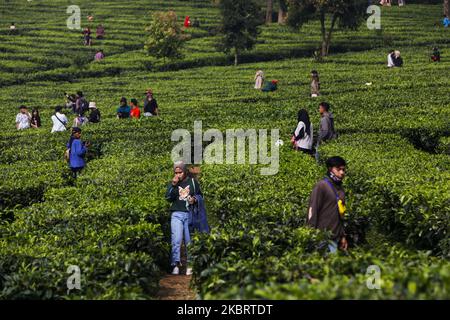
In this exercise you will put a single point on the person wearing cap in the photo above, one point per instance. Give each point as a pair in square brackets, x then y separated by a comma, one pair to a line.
[23, 118]
[327, 204]
[271, 86]
[181, 193]
[59, 120]
[94, 114]
[123, 111]
[77, 151]
[135, 112]
[150, 105]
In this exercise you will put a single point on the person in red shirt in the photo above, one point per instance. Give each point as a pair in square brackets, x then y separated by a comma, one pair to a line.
[135, 111]
[187, 22]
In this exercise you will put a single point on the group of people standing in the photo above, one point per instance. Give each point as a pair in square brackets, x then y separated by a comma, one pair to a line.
[303, 136]
[87, 38]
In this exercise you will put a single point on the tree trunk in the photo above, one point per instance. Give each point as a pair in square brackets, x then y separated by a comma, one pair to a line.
[269, 11]
[235, 58]
[324, 36]
[446, 7]
[333, 22]
[282, 12]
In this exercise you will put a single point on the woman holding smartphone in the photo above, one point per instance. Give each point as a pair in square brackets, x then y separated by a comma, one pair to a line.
[181, 193]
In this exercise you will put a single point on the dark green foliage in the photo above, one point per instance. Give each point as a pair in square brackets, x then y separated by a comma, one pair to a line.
[239, 25]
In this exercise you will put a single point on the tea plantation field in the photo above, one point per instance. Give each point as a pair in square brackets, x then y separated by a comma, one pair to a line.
[113, 221]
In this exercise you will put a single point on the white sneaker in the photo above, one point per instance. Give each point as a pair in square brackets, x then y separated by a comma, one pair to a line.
[188, 271]
[176, 270]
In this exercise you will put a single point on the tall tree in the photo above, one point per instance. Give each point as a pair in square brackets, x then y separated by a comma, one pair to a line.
[239, 26]
[446, 7]
[165, 38]
[282, 11]
[269, 11]
[347, 14]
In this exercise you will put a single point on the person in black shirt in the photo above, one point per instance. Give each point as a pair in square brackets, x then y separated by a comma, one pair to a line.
[150, 105]
[181, 193]
[94, 115]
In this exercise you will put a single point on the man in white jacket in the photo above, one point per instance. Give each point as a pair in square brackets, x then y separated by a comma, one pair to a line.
[59, 120]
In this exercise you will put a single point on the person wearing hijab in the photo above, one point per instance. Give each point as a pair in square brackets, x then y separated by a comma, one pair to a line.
[302, 138]
[315, 84]
[181, 194]
[259, 79]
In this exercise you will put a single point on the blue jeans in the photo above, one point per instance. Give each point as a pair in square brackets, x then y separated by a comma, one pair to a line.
[179, 226]
[333, 246]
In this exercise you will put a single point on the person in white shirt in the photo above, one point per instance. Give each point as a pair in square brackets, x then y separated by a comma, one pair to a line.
[59, 120]
[390, 59]
[302, 138]
[23, 118]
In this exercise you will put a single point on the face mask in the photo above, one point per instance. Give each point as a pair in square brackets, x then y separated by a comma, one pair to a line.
[334, 178]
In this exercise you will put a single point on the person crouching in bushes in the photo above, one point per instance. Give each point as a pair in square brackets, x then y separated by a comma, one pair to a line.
[271, 86]
[436, 55]
[35, 119]
[315, 84]
[99, 55]
[181, 193]
[135, 112]
[302, 138]
[76, 150]
[150, 104]
[327, 204]
[259, 79]
[398, 61]
[94, 114]
[80, 120]
[124, 109]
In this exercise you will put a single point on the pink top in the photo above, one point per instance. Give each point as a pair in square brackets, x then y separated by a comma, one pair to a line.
[99, 56]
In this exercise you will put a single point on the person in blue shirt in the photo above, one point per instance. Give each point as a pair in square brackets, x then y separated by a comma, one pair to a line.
[446, 21]
[77, 151]
[124, 110]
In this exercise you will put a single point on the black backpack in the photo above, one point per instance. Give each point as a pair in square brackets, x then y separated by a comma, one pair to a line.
[84, 105]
